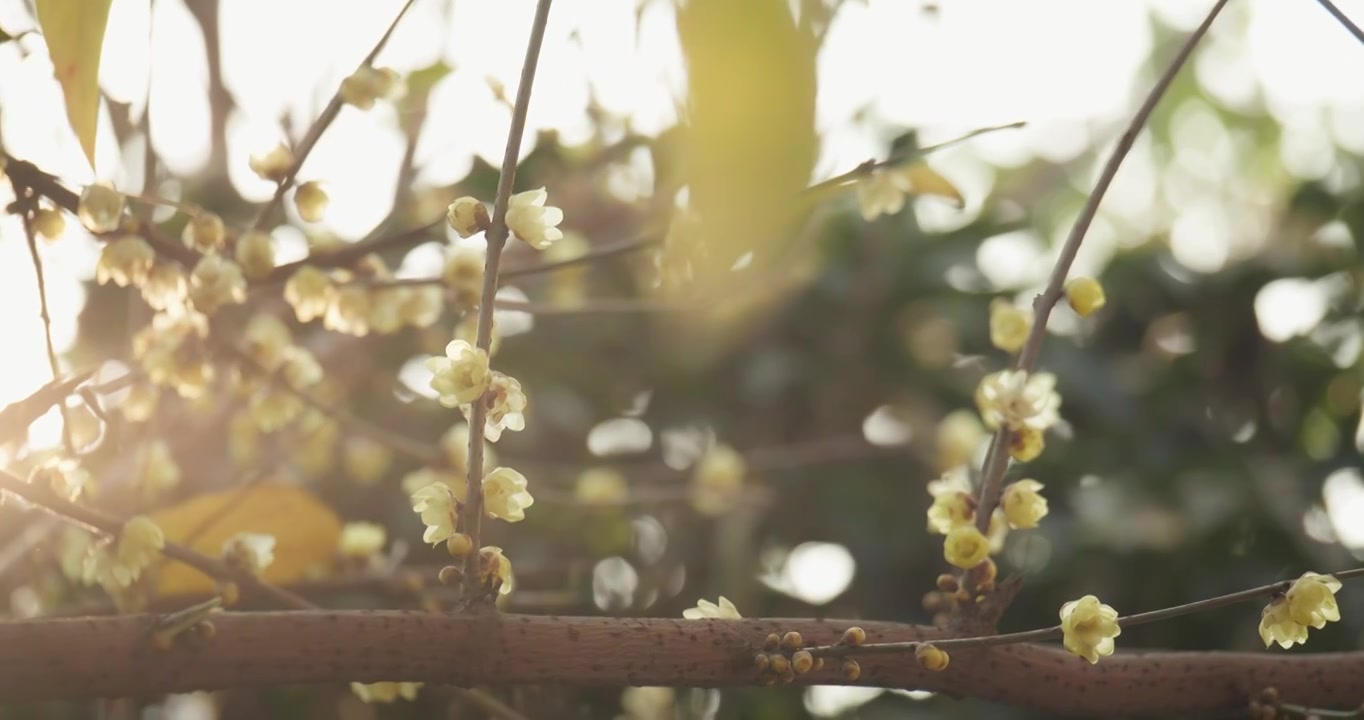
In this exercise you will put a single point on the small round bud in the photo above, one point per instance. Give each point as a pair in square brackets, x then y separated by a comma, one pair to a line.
[1269, 696]
[1009, 325]
[819, 665]
[459, 545]
[273, 165]
[1085, 295]
[772, 642]
[802, 662]
[792, 640]
[230, 592]
[779, 663]
[205, 630]
[947, 582]
[450, 575]
[467, 216]
[962, 596]
[854, 636]
[204, 232]
[101, 208]
[931, 658]
[49, 223]
[311, 201]
[762, 662]
[934, 601]
[851, 670]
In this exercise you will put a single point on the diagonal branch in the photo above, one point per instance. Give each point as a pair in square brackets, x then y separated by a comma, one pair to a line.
[1342, 19]
[319, 126]
[997, 460]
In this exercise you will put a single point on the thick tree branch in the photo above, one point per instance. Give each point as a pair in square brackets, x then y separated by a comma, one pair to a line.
[88, 657]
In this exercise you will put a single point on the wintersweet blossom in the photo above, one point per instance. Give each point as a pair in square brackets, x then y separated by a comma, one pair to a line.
[1009, 325]
[273, 164]
[204, 232]
[467, 216]
[125, 261]
[965, 547]
[953, 503]
[437, 507]
[505, 496]
[138, 544]
[707, 609]
[1023, 504]
[462, 376]
[1017, 400]
[1309, 602]
[1088, 628]
[506, 406]
[881, 193]
[101, 207]
[1085, 295]
[311, 201]
[493, 566]
[533, 221]
[718, 480]
[309, 291]
[252, 552]
[215, 282]
[361, 539]
[255, 252]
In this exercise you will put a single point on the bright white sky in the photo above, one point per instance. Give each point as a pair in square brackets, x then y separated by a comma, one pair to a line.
[1073, 69]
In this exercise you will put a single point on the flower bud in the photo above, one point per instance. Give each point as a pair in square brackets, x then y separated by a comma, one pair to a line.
[931, 658]
[1085, 295]
[101, 208]
[49, 223]
[311, 201]
[467, 216]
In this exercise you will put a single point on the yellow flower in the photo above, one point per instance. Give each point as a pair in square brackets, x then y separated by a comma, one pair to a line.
[385, 692]
[361, 539]
[505, 496]
[1312, 600]
[532, 220]
[311, 201]
[965, 547]
[648, 703]
[252, 552]
[931, 658]
[881, 193]
[1277, 625]
[274, 164]
[506, 407]
[125, 261]
[422, 306]
[171, 350]
[101, 208]
[467, 216]
[157, 470]
[951, 510]
[138, 545]
[1009, 325]
[462, 376]
[366, 460]
[348, 311]
[272, 407]
[493, 566]
[707, 609]
[1023, 505]
[1088, 628]
[1085, 295]
[266, 340]
[215, 282]
[204, 232]
[718, 480]
[463, 274]
[49, 223]
[959, 435]
[601, 487]
[256, 254]
[436, 505]
[309, 292]
[368, 84]
[1025, 444]
[1017, 400]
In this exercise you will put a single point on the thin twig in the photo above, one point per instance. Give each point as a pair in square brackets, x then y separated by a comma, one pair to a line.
[1055, 631]
[997, 460]
[53, 363]
[1344, 21]
[319, 126]
[593, 255]
[868, 167]
[350, 253]
[472, 515]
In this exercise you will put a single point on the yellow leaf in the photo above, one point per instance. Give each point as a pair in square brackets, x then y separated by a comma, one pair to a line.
[74, 31]
[306, 532]
[924, 180]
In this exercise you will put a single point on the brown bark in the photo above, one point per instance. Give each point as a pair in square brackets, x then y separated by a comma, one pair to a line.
[85, 657]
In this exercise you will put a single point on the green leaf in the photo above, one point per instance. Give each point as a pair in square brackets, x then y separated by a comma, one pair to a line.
[74, 30]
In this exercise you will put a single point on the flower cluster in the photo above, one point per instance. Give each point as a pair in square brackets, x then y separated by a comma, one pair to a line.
[1309, 602]
[117, 564]
[356, 306]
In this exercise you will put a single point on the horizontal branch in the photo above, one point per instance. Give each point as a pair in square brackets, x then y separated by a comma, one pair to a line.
[99, 657]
